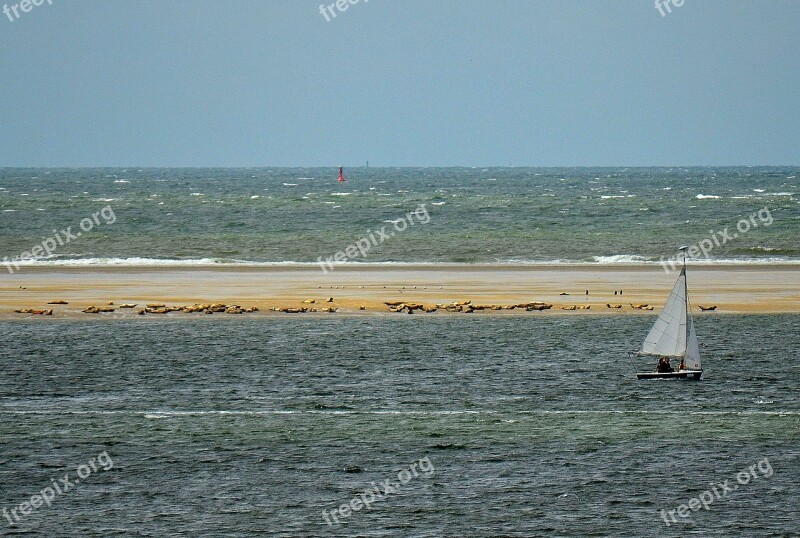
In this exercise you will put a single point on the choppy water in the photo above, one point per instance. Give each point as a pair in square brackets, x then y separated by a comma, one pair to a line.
[534, 426]
[491, 215]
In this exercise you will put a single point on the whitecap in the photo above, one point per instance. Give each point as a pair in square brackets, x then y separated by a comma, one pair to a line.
[620, 258]
[341, 193]
[104, 200]
[759, 190]
[121, 181]
[438, 203]
[255, 196]
[198, 194]
[706, 197]
[290, 184]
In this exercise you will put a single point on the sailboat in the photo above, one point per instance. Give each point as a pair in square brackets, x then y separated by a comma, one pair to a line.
[341, 174]
[673, 335]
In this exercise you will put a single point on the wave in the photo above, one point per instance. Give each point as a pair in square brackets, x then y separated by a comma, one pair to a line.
[612, 260]
[144, 262]
[621, 259]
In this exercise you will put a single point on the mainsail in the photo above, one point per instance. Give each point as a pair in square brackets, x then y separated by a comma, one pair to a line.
[668, 337]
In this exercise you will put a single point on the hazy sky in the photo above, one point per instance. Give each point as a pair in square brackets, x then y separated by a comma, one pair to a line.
[400, 83]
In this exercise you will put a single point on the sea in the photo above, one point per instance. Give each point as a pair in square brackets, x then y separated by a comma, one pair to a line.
[396, 426]
[476, 215]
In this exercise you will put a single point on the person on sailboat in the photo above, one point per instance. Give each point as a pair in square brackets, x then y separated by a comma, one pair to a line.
[682, 365]
[664, 366]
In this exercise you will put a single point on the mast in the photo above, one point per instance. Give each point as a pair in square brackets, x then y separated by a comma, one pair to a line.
[683, 249]
[691, 354]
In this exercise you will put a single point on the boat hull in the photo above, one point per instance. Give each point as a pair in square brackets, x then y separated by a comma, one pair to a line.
[680, 374]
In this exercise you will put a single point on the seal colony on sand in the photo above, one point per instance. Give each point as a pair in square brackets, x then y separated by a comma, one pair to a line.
[160, 308]
[309, 306]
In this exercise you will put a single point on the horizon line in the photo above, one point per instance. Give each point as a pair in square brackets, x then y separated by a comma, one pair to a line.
[142, 167]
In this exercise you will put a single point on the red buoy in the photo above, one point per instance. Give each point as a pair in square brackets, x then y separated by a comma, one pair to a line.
[341, 174]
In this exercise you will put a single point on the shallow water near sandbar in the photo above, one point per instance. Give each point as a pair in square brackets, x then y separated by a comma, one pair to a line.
[535, 426]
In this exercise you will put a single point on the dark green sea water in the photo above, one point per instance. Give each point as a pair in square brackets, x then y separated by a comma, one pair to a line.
[535, 426]
[491, 215]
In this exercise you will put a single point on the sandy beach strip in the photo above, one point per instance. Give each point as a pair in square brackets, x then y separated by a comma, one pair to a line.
[733, 289]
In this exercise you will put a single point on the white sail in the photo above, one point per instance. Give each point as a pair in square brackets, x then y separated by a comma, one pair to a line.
[693, 349]
[668, 335]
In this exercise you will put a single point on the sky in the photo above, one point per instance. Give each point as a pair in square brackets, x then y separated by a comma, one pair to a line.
[174, 83]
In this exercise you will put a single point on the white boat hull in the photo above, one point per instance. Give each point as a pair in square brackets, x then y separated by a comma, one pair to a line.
[679, 374]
